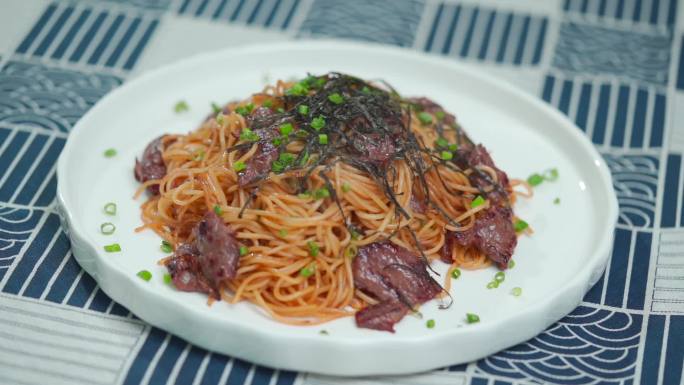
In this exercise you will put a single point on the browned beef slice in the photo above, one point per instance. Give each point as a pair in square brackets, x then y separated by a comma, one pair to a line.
[151, 165]
[493, 234]
[218, 249]
[186, 272]
[381, 316]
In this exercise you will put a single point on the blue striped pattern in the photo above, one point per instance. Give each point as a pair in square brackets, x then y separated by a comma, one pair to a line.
[612, 114]
[275, 14]
[673, 197]
[486, 34]
[680, 67]
[653, 12]
[83, 34]
[635, 179]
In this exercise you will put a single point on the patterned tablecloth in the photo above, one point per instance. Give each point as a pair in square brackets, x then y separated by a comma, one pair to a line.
[615, 67]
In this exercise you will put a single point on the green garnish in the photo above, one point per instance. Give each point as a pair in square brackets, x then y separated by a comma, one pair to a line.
[107, 228]
[355, 235]
[366, 90]
[478, 201]
[430, 323]
[441, 142]
[556, 201]
[313, 248]
[216, 108]
[245, 110]
[286, 129]
[318, 123]
[282, 233]
[218, 210]
[322, 139]
[302, 133]
[440, 115]
[199, 156]
[304, 195]
[500, 276]
[243, 250]
[453, 147]
[455, 273]
[110, 208]
[493, 285]
[268, 103]
[166, 247]
[516, 291]
[425, 118]
[321, 193]
[168, 279]
[535, 179]
[303, 109]
[298, 89]
[113, 248]
[306, 271]
[511, 264]
[520, 225]
[219, 118]
[277, 141]
[181, 106]
[472, 318]
[145, 275]
[239, 166]
[336, 98]
[280, 110]
[249, 135]
[551, 175]
[446, 155]
[351, 251]
[346, 187]
[110, 153]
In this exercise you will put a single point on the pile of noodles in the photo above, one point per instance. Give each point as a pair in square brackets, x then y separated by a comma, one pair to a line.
[277, 224]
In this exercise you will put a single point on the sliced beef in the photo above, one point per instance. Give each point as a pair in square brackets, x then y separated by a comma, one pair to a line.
[374, 148]
[151, 165]
[218, 249]
[394, 276]
[210, 261]
[259, 165]
[261, 118]
[479, 156]
[446, 250]
[493, 234]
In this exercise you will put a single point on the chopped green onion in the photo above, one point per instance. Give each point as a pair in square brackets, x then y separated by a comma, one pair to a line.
[110, 208]
[455, 273]
[440, 115]
[446, 155]
[472, 318]
[346, 187]
[493, 285]
[301, 133]
[441, 142]
[313, 248]
[298, 89]
[239, 166]
[286, 158]
[166, 247]
[282, 233]
[520, 225]
[500, 276]
[277, 141]
[277, 166]
[351, 251]
[453, 147]
[280, 110]
[551, 175]
[218, 210]
[355, 235]
[556, 201]
[366, 90]
[336, 98]
[478, 201]
[321, 193]
[306, 271]
[216, 108]
[245, 110]
[430, 323]
[168, 279]
[199, 156]
[243, 250]
[511, 264]
[305, 195]
[107, 228]
[181, 106]
[535, 179]
[318, 123]
[110, 153]
[321, 81]
[249, 135]
[303, 109]
[268, 103]
[113, 248]
[322, 138]
[286, 129]
[219, 118]
[145, 275]
[425, 118]
[516, 291]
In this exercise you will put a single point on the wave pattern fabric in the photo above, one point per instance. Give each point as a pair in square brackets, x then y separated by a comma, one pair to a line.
[615, 67]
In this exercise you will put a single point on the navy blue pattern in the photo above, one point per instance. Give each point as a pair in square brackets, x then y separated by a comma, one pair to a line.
[680, 71]
[673, 197]
[596, 49]
[653, 12]
[486, 34]
[382, 21]
[635, 178]
[89, 35]
[275, 14]
[601, 108]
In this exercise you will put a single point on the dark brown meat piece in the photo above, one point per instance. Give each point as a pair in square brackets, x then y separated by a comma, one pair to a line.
[396, 277]
[151, 165]
[493, 234]
[429, 105]
[260, 118]
[259, 165]
[218, 249]
[185, 271]
[479, 156]
[374, 148]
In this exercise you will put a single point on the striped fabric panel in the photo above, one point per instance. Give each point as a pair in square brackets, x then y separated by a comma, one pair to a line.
[680, 67]
[275, 14]
[85, 34]
[653, 12]
[672, 214]
[486, 34]
[668, 290]
[612, 113]
[635, 179]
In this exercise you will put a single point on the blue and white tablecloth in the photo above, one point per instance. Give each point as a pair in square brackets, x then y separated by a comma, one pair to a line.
[615, 67]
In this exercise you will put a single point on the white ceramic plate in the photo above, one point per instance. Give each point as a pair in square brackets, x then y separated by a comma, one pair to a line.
[554, 267]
